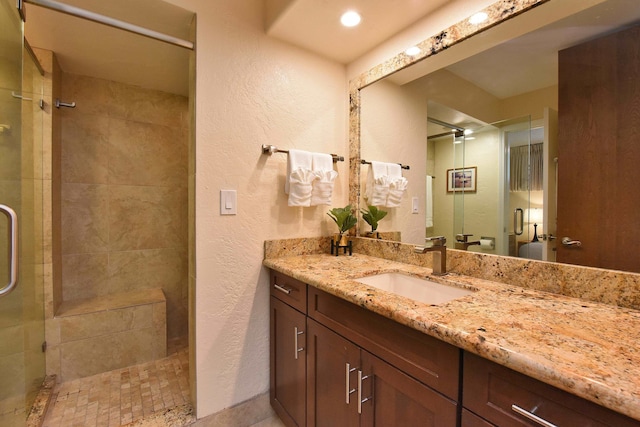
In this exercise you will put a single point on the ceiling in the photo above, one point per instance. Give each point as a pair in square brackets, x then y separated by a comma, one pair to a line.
[315, 24]
[88, 48]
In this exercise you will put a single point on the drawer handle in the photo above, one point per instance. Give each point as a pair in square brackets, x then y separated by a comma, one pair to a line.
[531, 416]
[360, 399]
[348, 388]
[297, 333]
[282, 289]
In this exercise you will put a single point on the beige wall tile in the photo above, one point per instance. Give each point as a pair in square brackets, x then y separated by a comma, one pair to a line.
[11, 340]
[146, 154]
[156, 268]
[144, 217]
[148, 106]
[85, 151]
[90, 94]
[53, 366]
[90, 356]
[47, 221]
[104, 323]
[12, 374]
[85, 218]
[52, 332]
[160, 326]
[85, 275]
[147, 269]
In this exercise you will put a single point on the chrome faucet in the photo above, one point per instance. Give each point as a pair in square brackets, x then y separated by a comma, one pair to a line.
[439, 253]
[462, 241]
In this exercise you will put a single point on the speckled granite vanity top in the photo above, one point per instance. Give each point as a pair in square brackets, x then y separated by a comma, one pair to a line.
[588, 349]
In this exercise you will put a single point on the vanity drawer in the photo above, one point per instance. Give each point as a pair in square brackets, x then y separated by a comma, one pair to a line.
[289, 291]
[427, 359]
[491, 391]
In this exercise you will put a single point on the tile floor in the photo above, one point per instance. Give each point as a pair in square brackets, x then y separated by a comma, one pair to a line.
[122, 396]
[154, 394]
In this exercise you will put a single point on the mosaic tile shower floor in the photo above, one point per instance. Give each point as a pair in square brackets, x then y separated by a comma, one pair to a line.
[153, 394]
[122, 396]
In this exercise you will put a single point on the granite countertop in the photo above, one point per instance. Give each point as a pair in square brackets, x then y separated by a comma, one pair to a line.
[585, 348]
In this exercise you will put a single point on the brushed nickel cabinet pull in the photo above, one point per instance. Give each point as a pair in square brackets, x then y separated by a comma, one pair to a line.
[348, 389]
[360, 399]
[531, 416]
[298, 349]
[282, 289]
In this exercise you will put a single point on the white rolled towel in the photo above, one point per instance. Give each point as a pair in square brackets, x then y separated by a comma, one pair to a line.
[300, 186]
[379, 191]
[322, 191]
[397, 188]
[295, 160]
[377, 185]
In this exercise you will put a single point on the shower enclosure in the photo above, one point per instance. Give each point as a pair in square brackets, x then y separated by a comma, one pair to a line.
[22, 366]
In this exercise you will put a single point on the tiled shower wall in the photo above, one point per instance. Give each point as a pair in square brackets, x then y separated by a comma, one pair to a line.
[124, 193]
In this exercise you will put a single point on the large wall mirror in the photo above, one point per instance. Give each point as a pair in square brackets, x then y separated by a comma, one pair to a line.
[481, 126]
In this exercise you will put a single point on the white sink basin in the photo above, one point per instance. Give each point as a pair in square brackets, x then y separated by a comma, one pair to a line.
[418, 289]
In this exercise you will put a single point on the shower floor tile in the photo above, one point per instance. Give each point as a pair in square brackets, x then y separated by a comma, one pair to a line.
[122, 396]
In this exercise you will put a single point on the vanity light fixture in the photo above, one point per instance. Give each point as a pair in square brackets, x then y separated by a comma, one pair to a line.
[478, 18]
[413, 51]
[350, 18]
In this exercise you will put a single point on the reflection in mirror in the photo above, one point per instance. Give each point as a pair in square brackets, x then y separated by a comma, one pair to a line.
[508, 96]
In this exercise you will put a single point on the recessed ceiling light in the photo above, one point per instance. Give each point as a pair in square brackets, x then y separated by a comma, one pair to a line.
[350, 18]
[478, 18]
[413, 51]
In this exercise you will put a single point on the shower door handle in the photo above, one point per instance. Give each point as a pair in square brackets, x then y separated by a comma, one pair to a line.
[13, 249]
[515, 221]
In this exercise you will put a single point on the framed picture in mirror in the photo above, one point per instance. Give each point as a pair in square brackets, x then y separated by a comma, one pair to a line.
[462, 179]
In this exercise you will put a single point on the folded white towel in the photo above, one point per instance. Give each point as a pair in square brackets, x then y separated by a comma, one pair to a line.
[321, 162]
[397, 188]
[394, 171]
[377, 170]
[379, 191]
[300, 187]
[429, 203]
[323, 188]
[322, 166]
[295, 160]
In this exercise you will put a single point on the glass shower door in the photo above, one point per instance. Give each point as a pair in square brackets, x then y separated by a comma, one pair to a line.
[21, 188]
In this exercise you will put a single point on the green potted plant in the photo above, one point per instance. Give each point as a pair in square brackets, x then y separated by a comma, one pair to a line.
[345, 220]
[372, 216]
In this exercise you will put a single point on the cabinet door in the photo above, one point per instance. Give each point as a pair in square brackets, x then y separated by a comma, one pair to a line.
[288, 364]
[390, 397]
[332, 366]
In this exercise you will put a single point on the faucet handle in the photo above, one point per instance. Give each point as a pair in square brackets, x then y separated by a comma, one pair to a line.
[436, 240]
[463, 237]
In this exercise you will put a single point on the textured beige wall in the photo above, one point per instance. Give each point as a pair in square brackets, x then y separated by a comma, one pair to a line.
[251, 90]
[124, 193]
[394, 129]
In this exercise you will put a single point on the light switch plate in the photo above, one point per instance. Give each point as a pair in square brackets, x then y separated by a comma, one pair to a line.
[414, 205]
[228, 202]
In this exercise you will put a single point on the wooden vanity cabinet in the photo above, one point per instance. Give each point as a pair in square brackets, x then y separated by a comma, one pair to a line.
[496, 393]
[288, 325]
[361, 369]
[336, 364]
[366, 370]
[348, 386]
